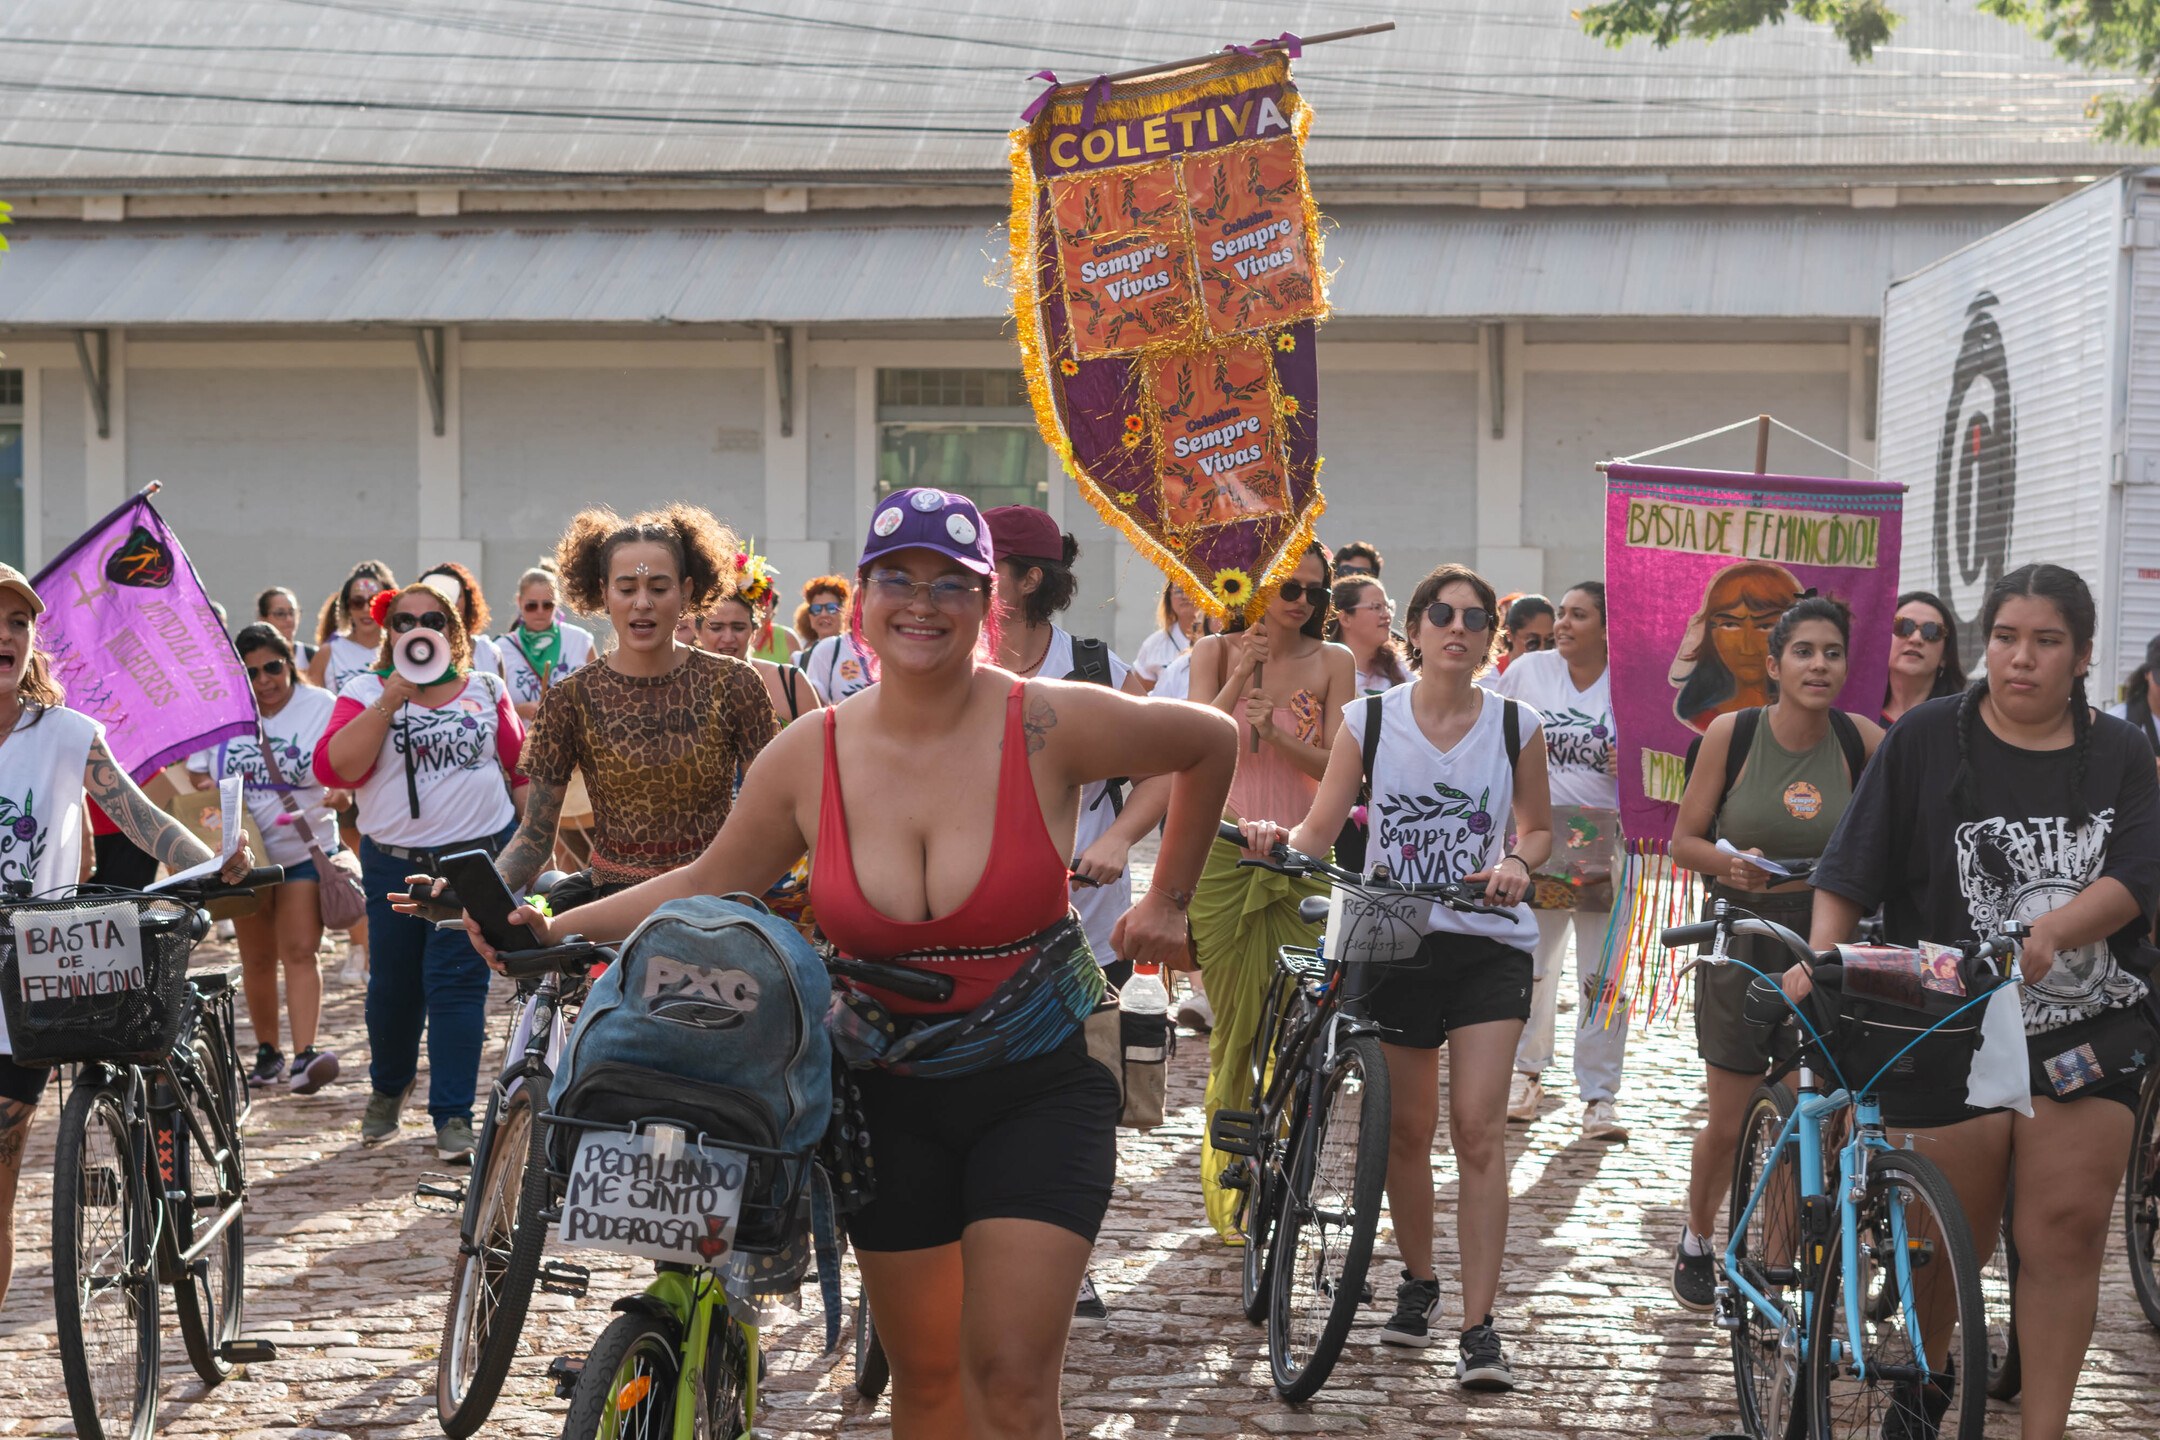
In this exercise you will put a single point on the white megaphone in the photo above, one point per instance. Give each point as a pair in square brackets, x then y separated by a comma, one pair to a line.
[420, 655]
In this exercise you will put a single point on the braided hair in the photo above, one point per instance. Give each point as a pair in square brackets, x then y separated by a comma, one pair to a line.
[2067, 592]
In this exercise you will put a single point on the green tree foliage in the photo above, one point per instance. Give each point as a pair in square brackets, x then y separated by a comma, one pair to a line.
[2118, 35]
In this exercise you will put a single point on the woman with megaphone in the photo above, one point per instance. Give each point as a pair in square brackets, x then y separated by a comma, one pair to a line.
[424, 743]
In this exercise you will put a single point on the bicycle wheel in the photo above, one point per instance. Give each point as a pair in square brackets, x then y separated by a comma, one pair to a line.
[627, 1389]
[1261, 1205]
[1768, 1255]
[1330, 1211]
[727, 1379]
[493, 1283]
[1914, 1242]
[2141, 1201]
[1998, 1291]
[105, 1293]
[209, 1164]
[872, 1370]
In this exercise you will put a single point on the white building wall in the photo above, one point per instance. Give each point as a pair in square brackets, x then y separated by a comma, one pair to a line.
[1400, 448]
[63, 400]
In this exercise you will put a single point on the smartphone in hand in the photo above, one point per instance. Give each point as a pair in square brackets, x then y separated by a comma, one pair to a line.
[487, 899]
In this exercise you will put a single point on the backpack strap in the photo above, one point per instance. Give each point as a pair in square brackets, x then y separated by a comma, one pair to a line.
[787, 688]
[1372, 746]
[1091, 664]
[1743, 740]
[1511, 732]
[1848, 739]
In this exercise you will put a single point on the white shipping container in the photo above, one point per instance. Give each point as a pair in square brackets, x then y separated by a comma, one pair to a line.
[2020, 407]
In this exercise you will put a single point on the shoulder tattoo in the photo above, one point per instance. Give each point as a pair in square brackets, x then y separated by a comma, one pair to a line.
[1038, 721]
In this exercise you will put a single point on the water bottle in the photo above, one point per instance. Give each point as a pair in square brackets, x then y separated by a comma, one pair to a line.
[1145, 1034]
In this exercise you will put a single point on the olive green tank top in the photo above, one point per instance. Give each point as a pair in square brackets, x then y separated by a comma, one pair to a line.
[1786, 805]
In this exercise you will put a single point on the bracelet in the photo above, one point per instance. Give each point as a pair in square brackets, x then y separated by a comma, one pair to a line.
[1180, 898]
[1511, 855]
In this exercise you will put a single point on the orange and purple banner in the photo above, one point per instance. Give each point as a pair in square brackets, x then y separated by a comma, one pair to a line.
[1166, 282]
[135, 644]
[1699, 564]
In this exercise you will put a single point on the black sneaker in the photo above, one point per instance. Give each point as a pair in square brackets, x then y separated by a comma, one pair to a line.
[1417, 1305]
[1480, 1364]
[1089, 1309]
[1694, 1279]
[269, 1066]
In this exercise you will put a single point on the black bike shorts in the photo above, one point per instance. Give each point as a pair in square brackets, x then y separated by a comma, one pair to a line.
[1454, 981]
[24, 1084]
[1034, 1140]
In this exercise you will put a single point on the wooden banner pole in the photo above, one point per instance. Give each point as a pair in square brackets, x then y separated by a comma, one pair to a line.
[1762, 444]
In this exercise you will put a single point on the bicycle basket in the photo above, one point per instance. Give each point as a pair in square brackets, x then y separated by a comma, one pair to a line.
[95, 978]
[1903, 1009]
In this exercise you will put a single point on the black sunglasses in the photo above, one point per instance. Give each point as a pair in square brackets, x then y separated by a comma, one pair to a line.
[1440, 615]
[434, 620]
[1294, 592]
[272, 668]
[1532, 641]
[1929, 630]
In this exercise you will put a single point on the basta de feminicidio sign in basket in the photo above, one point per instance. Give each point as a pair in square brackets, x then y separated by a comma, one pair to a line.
[1167, 281]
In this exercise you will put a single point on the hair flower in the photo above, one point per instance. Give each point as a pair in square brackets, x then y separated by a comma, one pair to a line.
[378, 609]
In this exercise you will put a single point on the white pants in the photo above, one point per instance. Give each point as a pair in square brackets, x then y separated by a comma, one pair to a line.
[1599, 1047]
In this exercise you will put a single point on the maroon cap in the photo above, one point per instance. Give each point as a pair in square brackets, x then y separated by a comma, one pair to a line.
[928, 519]
[1024, 530]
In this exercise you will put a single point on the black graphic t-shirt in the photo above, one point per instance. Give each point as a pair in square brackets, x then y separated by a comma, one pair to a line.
[1949, 881]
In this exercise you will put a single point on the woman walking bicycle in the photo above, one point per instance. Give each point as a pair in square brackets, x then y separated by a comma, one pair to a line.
[2015, 802]
[962, 787]
[1468, 986]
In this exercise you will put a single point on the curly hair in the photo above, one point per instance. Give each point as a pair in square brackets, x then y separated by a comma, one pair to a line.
[820, 585]
[460, 642]
[336, 617]
[472, 605]
[704, 551]
[1059, 584]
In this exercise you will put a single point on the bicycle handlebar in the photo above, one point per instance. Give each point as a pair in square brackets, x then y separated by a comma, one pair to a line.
[1461, 895]
[210, 887]
[574, 956]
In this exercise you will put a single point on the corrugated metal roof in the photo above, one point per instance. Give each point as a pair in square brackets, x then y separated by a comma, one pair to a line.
[168, 91]
[1410, 265]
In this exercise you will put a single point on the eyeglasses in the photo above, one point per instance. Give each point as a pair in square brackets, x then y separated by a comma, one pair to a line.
[1440, 615]
[1385, 608]
[1929, 630]
[1294, 592]
[533, 607]
[950, 596]
[825, 607]
[1533, 641]
[272, 668]
[401, 623]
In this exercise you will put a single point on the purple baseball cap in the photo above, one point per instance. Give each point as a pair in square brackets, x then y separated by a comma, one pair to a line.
[929, 519]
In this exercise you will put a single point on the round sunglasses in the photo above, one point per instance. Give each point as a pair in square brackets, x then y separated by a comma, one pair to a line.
[1440, 615]
[825, 607]
[1930, 630]
[401, 624]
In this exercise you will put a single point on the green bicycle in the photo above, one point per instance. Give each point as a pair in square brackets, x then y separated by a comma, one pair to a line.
[677, 1364]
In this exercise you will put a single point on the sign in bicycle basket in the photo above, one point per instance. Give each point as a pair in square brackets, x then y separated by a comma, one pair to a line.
[1373, 928]
[86, 980]
[654, 1193]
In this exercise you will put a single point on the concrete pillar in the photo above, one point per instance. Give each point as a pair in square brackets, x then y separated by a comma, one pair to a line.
[1860, 383]
[1502, 557]
[105, 470]
[786, 541]
[441, 471]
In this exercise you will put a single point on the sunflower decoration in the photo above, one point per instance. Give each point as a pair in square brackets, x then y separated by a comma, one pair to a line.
[1289, 405]
[1068, 366]
[1286, 342]
[1130, 440]
[1233, 587]
[1134, 424]
[754, 577]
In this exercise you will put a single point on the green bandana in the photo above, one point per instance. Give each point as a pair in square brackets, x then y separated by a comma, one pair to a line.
[450, 672]
[540, 650]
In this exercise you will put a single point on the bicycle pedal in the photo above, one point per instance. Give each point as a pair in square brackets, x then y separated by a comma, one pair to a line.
[1237, 1175]
[564, 1371]
[1235, 1132]
[434, 1185]
[560, 1277]
[247, 1352]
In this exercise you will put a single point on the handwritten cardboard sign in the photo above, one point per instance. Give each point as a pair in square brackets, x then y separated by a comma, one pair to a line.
[652, 1195]
[83, 951]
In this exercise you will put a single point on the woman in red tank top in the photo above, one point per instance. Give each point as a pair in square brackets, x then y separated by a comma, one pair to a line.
[939, 807]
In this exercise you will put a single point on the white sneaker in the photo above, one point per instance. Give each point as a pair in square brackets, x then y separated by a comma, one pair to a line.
[1601, 1121]
[1196, 1014]
[1524, 1096]
[355, 969]
[223, 930]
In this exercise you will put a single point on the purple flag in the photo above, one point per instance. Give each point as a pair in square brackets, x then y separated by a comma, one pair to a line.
[134, 642]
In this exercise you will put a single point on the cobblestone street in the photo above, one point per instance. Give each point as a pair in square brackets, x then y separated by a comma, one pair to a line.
[347, 1273]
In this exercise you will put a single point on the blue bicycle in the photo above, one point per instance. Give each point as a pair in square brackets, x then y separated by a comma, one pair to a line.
[1854, 1298]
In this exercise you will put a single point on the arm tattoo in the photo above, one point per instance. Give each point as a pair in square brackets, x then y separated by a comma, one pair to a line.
[14, 1130]
[1038, 721]
[142, 822]
[529, 850]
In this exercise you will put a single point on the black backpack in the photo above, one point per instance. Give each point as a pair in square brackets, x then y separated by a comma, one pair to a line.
[1091, 664]
[1350, 844]
[1743, 740]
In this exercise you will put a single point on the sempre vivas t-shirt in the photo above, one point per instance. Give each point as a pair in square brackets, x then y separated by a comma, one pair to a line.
[293, 732]
[1578, 727]
[41, 803]
[1951, 879]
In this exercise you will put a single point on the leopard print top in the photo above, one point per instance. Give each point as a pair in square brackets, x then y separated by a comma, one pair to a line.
[659, 753]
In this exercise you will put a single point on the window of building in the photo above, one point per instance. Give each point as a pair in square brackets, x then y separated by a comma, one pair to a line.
[972, 431]
[11, 467]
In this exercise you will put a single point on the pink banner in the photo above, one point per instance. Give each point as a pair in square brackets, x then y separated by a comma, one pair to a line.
[1699, 564]
[136, 645]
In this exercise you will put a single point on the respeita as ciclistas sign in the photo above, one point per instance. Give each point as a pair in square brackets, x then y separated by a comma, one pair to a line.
[1166, 280]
